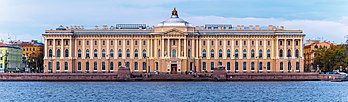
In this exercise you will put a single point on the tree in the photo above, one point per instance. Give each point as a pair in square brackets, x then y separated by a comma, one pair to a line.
[332, 58]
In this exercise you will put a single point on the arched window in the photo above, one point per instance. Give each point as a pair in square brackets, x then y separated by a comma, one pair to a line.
[289, 53]
[103, 65]
[127, 64]
[252, 53]
[244, 53]
[66, 53]
[174, 53]
[156, 66]
[289, 66]
[57, 65]
[119, 64]
[188, 53]
[119, 53]
[236, 66]
[212, 53]
[136, 53]
[212, 66]
[66, 67]
[220, 53]
[268, 65]
[260, 66]
[204, 54]
[50, 65]
[204, 66]
[268, 53]
[95, 53]
[111, 53]
[79, 53]
[144, 65]
[236, 54]
[228, 53]
[50, 53]
[297, 66]
[280, 53]
[95, 66]
[228, 66]
[111, 65]
[78, 65]
[281, 66]
[135, 65]
[144, 53]
[252, 66]
[260, 53]
[87, 53]
[128, 53]
[244, 66]
[159, 53]
[58, 53]
[87, 66]
[103, 53]
[296, 53]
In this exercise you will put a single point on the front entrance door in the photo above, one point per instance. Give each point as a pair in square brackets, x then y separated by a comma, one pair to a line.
[173, 69]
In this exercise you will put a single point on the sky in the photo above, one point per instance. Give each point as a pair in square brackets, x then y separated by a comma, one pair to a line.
[27, 19]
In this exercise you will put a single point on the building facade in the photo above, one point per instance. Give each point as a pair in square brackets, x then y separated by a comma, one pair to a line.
[309, 53]
[173, 46]
[33, 53]
[11, 58]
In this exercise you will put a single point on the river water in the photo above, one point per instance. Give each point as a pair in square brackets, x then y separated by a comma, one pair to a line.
[322, 91]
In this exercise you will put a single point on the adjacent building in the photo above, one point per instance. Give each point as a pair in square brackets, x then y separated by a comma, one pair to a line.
[11, 58]
[173, 46]
[309, 50]
[33, 54]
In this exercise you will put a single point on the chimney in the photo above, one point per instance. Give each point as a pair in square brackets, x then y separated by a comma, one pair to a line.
[242, 27]
[257, 27]
[238, 27]
[270, 27]
[251, 27]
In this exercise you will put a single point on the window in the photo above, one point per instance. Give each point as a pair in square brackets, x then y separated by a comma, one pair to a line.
[87, 66]
[57, 65]
[236, 53]
[296, 53]
[50, 42]
[281, 43]
[204, 66]
[289, 66]
[220, 63]
[204, 54]
[220, 53]
[212, 53]
[95, 66]
[212, 66]
[79, 53]
[173, 42]
[252, 53]
[144, 53]
[103, 53]
[189, 42]
[269, 43]
[244, 65]
[189, 53]
[159, 53]
[297, 66]
[79, 43]
[144, 65]
[228, 43]
[128, 53]
[87, 42]
[260, 43]
[228, 53]
[136, 42]
[260, 66]
[212, 43]
[191, 65]
[119, 42]
[268, 65]
[58, 53]
[58, 42]
[49, 65]
[289, 53]
[136, 53]
[220, 43]
[268, 53]
[236, 43]
[66, 53]
[66, 66]
[50, 53]
[296, 43]
[119, 53]
[103, 42]
[244, 43]
[119, 64]
[159, 42]
[260, 53]
[95, 42]
[87, 53]
[289, 43]
[111, 65]
[280, 53]
[78, 65]
[111, 42]
[173, 53]
[252, 66]
[252, 43]
[228, 66]
[111, 53]
[244, 53]
[135, 65]
[203, 43]
[127, 42]
[156, 66]
[236, 66]
[95, 53]
[144, 42]
[66, 42]
[281, 66]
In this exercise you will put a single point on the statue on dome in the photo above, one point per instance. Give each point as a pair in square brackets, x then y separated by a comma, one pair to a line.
[174, 12]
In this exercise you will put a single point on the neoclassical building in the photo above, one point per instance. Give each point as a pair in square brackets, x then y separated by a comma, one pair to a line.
[173, 46]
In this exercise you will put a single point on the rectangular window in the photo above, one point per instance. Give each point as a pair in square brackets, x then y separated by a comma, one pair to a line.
[66, 42]
[236, 43]
[269, 43]
[252, 43]
[103, 42]
[119, 42]
[87, 43]
[95, 42]
[228, 43]
[111, 42]
[244, 43]
[188, 42]
[173, 42]
[136, 42]
[159, 42]
[296, 43]
[220, 43]
[127, 42]
[260, 43]
[50, 42]
[203, 43]
[212, 43]
[288, 43]
[144, 42]
[79, 43]
[58, 42]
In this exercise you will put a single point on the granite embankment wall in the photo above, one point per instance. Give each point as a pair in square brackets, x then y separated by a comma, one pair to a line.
[164, 77]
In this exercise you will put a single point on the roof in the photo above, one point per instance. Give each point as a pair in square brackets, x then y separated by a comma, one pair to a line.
[174, 20]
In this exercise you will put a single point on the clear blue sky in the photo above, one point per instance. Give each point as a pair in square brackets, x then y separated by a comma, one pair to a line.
[27, 19]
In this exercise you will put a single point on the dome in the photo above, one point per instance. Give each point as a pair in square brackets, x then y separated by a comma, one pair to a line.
[60, 28]
[174, 20]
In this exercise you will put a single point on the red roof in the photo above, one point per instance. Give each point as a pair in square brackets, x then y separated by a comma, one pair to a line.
[3, 45]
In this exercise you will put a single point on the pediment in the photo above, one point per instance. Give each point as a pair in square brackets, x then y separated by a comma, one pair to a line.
[174, 31]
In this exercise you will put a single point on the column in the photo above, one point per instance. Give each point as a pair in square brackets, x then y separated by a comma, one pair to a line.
[83, 49]
[62, 49]
[91, 49]
[70, 49]
[107, 49]
[196, 48]
[208, 49]
[240, 55]
[124, 49]
[151, 47]
[46, 54]
[162, 48]
[185, 49]
[99, 48]
[140, 51]
[257, 48]
[293, 49]
[224, 55]
[301, 48]
[54, 48]
[168, 48]
[277, 49]
[248, 49]
[200, 48]
[264, 49]
[284, 49]
[179, 48]
[132, 49]
[155, 44]
[232, 50]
